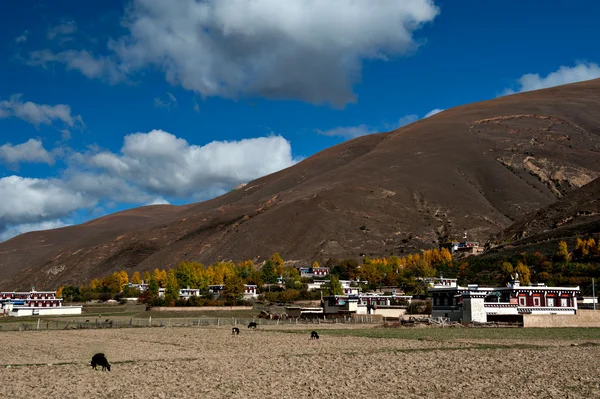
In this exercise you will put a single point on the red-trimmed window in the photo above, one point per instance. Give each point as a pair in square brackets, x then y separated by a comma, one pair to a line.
[522, 300]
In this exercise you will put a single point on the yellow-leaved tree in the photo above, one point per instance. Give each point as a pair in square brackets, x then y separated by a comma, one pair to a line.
[135, 278]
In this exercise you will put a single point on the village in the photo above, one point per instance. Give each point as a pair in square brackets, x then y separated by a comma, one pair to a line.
[446, 301]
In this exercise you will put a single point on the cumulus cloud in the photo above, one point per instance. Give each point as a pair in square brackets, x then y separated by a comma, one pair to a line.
[164, 164]
[30, 200]
[12, 231]
[149, 168]
[301, 49]
[31, 151]
[564, 75]
[38, 114]
[433, 112]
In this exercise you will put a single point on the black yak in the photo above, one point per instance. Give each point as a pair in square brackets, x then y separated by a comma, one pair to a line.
[252, 325]
[235, 331]
[100, 360]
[314, 335]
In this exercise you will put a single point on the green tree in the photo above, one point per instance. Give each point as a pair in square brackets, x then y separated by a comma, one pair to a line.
[185, 274]
[234, 288]
[334, 287]
[171, 287]
[147, 277]
[269, 275]
[150, 296]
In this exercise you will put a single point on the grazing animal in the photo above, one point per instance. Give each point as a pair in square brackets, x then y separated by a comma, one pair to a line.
[100, 360]
[235, 331]
[87, 321]
[252, 325]
[314, 335]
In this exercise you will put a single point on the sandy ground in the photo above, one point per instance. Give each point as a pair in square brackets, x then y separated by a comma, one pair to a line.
[210, 362]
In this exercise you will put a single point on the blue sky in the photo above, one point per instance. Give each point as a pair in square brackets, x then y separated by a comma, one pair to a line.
[108, 104]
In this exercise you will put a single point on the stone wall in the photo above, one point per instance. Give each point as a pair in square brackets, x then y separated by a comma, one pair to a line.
[197, 308]
[583, 318]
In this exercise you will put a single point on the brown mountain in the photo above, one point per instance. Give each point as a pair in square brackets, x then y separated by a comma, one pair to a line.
[477, 167]
[575, 215]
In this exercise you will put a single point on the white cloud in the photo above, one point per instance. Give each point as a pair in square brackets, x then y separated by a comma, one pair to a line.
[302, 49]
[38, 114]
[150, 167]
[564, 75]
[433, 112]
[30, 151]
[158, 201]
[171, 101]
[23, 37]
[348, 132]
[62, 31]
[12, 231]
[29, 200]
[161, 163]
[80, 60]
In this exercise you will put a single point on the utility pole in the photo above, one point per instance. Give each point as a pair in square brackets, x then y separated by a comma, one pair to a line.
[593, 293]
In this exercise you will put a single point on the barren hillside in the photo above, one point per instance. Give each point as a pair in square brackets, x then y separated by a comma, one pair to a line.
[477, 167]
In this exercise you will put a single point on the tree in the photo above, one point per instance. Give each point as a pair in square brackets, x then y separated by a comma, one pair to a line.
[147, 277]
[269, 275]
[111, 283]
[278, 263]
[185, 274]
[234, 288]
[95, 284]
[315, 265]
[123, 279]
[334, 287]
[171, 287]
[563, 253]
[507, 271]
[151, 294]
[524, 273]
[135, 278]
[160, 276]
[59, 291]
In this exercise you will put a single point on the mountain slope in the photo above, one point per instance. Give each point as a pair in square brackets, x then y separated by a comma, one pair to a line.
[477, 167]
[575, 215]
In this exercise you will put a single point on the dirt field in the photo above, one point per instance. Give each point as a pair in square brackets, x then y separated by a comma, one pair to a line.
[270, 363]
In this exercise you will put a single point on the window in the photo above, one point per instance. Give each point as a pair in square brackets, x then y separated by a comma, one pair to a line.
[564, 302]
[536, 301]
[521, 301]
[550, 301]
[445, 301]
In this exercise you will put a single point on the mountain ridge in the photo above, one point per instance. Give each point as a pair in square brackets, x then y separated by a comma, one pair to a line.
[475, 168]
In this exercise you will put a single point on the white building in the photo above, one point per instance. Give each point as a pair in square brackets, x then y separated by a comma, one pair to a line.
[510, 303]
[34, 303]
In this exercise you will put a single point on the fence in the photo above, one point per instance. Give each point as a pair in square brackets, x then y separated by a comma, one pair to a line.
[177, 322]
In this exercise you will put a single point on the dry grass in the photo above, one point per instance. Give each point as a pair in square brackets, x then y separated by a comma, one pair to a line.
[203, 362]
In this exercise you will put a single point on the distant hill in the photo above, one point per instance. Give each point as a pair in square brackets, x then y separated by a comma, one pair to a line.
[478, 167]
[577, 214]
